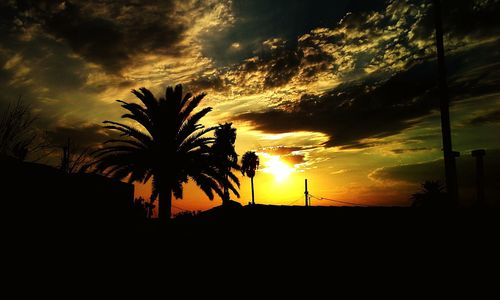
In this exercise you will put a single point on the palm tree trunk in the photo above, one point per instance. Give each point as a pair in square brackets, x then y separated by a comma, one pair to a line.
[253, 197]
[225, 199]
[165, 204]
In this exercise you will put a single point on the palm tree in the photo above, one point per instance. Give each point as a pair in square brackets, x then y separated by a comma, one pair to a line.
[431, 195]
[225, 157]
[170, 148]
[249, 164]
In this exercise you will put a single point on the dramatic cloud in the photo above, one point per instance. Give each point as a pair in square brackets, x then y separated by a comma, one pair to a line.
[111, 33]
[385, 110]
[409, 150]
[490, 117]
[354, 113]
[71, 58]
[89, 136]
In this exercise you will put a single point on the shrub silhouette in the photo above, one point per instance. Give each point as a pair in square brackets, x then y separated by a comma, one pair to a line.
[18, 135]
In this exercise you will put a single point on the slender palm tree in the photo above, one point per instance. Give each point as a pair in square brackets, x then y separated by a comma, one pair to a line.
[225, 157]
[170, 148]
[249, 164]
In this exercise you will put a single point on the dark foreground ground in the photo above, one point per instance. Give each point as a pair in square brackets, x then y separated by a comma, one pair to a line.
[275, 222]
[317, 226]
[272, 242]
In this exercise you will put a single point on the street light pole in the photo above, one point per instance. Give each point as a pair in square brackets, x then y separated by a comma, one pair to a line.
[449, 155]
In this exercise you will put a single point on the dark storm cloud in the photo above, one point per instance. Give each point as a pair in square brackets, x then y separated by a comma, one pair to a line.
[471, 18]
[97, 39]
[410, 150]
[491, 117]
[43, 73]
[261, 20]
[277, 64]
[82, 137]
[383, 36]
[413, 173]
[282, 66]
[213, 82]
[358, 145]
[426, 137]
[350, 113]
[375, 109]
[107, 33]
[461, 18]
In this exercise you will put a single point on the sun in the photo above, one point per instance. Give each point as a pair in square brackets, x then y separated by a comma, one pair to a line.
[280, 170]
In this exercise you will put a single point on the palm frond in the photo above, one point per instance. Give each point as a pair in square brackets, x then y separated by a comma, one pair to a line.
[138, 144]
[129, 131]
[186, 98]
[191, 105]
[190, 125]
[147, 98]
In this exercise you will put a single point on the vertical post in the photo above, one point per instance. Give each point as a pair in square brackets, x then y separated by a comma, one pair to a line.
[479, 154]
[253, 196]
[306, 193]
[449, 158]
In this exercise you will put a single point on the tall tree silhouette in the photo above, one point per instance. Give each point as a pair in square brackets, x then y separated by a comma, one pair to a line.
[226, 158]
[249, 164]
[170, 148]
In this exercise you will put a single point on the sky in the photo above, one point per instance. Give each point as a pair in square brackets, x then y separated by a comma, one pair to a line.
[342, 92]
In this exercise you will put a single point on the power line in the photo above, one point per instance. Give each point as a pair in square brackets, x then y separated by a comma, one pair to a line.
[179, 208]
[294, 201]
[338, 201]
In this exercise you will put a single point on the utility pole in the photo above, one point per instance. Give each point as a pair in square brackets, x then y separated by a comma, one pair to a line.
[479, 154]
[306, 193]
[449, 155]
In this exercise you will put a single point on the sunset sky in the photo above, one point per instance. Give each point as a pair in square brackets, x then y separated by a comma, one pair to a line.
[341, 92]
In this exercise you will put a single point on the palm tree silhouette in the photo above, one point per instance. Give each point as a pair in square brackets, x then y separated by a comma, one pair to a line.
[431, 195]
[171, 149]
[249, 164]
[226, 158]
